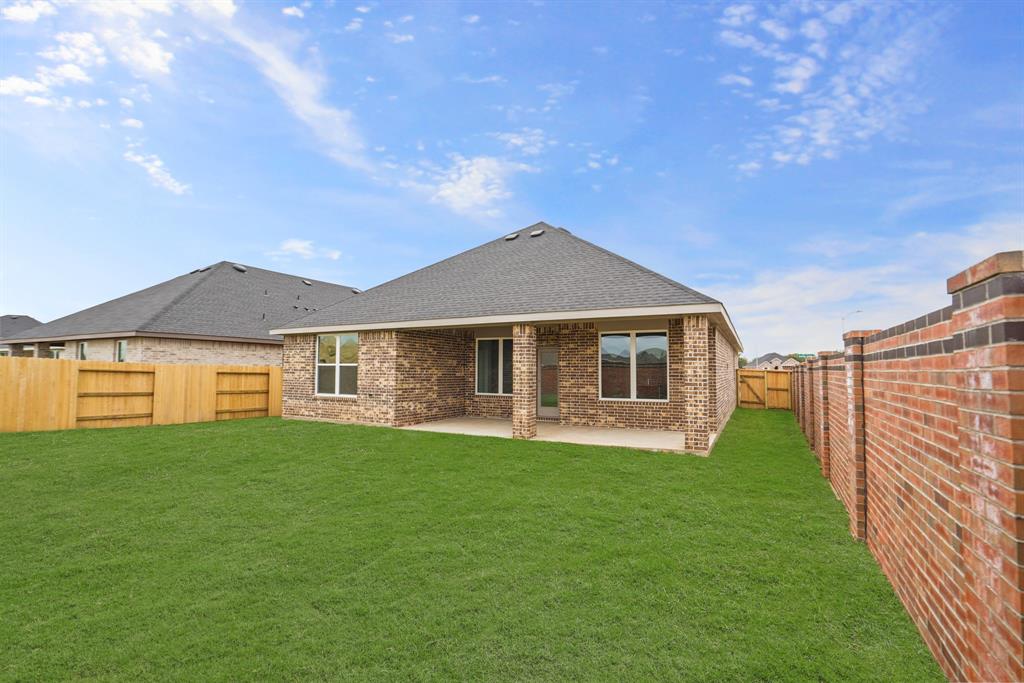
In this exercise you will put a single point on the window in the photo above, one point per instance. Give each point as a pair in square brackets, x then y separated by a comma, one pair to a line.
[494, 366]
[121, 351]
[337, 364]
[4, 353]
[83, 348]
[634, 366]
[56, 352]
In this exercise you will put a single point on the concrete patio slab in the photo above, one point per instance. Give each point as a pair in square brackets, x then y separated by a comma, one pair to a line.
[651, 440]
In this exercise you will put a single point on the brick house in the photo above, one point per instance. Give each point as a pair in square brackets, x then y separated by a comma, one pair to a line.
[10, 327]
[220, 314]
[536, 325]
[773, 361]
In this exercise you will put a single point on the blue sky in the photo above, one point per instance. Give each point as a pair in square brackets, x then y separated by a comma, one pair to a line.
[797, 160]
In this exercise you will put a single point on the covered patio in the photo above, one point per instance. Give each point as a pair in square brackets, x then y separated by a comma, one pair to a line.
[645, 439]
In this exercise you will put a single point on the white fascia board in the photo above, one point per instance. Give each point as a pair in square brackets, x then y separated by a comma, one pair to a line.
[552, 316]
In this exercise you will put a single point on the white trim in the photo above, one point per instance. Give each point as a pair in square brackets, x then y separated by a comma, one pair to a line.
[638, 312]
[337, 365]
[632, 367]
[82, 350]
[501, 366]
[117, 350]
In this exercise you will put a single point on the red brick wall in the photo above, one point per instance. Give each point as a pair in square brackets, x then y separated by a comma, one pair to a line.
[414, 376]
[431, 375]
[925, 440]
[725, 380]
[375, 404]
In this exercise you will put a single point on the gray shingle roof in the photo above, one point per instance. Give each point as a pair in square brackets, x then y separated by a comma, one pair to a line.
[555, 271]
[218, 301]
[768, 357]
[10, 325]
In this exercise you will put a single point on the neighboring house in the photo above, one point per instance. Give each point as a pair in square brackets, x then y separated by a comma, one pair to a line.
[538, 324]
[10, 326]
[218, 314]
[772, 361]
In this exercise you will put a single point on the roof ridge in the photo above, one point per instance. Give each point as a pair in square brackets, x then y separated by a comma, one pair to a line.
[642, 269]
[188, 290]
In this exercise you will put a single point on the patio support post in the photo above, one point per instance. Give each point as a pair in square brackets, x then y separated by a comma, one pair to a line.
[524, 381]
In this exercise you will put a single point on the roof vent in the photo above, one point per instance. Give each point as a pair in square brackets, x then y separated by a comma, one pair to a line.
[307, 283]
[203, 270]
[239, 267]
[537, 233]
[194, 271]
[509, 238]
[356, 291]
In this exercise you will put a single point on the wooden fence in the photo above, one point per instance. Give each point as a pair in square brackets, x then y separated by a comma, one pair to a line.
[764, 388]
[38, 394]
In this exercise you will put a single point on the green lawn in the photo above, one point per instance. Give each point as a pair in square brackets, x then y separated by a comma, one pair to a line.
[295, 550]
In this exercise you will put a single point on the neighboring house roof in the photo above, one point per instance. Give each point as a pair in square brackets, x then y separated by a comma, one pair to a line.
[766, 358]
[11, 325]
[222, 300]
[552, 273]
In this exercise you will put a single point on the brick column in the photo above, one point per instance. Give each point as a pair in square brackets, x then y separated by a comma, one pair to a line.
[853, 342]
[524, 381]
[697, 382]
[988, 343]
[823, 429]
[810, 426]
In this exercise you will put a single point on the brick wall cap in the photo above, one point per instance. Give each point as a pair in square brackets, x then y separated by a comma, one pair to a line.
[859, 333]
[1003, 262]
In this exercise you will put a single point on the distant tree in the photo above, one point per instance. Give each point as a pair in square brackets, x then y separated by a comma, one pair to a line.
[743, 362]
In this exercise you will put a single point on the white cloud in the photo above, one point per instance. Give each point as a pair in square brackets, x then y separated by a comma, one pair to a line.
[131, 123]
[841, 103]
[813, 29]
[301, 89]
[794, 78]
[59, 75]
[529, 141]
[471, 18]
[158, 173]
[362, 9]
[76, 48]
[406, 19]
[126, 102]
[750, 167]
[735, 79]
[18, 86]
[473, 186]
[303, 249]
[355, 25]
[293, 12]
[494, 78]
[398, 38]
[556, 92]
[798, 309]
[738, 15]
[775, 29]
[139, 53]
[135, 9]
[28, 12]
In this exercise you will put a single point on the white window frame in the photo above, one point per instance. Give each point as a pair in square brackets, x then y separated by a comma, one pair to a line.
[337, 365]
[632, 367]
[57, 351]
[82, 351]
[501, 366]
[4, 353]
[117, 351]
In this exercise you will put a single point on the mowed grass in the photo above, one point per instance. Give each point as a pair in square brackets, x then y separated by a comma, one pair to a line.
[271, 549]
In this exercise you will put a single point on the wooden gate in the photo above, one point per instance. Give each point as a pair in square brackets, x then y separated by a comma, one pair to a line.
[764, 388]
